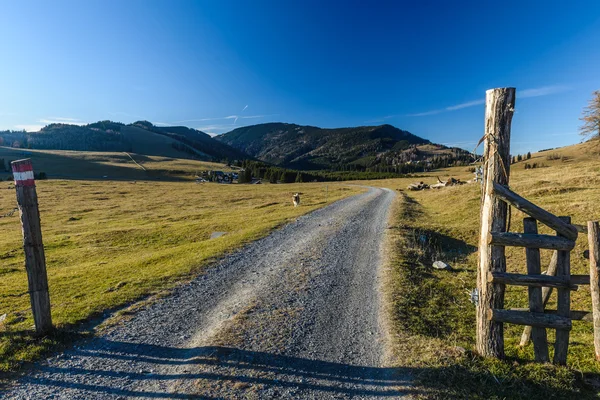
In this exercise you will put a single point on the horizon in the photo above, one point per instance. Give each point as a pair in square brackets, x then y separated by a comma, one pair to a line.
[218, 67]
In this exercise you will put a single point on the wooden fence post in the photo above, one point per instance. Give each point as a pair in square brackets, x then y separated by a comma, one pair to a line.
[35, 260]
[499, 109]
[546, 293]
[594, 243]
[563, 306]
[540, 341]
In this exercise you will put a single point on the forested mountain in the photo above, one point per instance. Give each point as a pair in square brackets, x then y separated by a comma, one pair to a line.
[381, 148]
[384, 147]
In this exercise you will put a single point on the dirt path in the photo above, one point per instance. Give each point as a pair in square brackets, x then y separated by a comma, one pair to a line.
[294, 315]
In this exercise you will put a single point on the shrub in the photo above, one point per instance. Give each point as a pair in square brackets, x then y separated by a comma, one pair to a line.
[553, 156]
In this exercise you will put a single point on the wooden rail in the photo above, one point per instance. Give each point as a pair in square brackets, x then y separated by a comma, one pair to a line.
[567, 230]
[530, 280]
[576, 315]
[542, 320]
[530, 240]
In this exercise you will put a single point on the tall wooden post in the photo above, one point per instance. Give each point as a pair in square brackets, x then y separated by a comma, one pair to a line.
[35, 259]
[546, 293]
[499, 109]
[563, 303]
[536, 304]
[594, 243]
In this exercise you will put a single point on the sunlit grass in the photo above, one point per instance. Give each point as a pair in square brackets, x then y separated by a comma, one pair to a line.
[432, 314]
[109, 243]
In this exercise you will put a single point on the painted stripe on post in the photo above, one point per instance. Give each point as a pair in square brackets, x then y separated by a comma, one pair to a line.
[23, 173]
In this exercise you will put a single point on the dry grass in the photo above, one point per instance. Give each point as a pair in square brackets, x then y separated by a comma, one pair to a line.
[89, 165]
[109, 243]
[433, 319]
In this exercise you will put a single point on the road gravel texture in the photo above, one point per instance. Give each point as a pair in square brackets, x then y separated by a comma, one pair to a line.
[293, 315]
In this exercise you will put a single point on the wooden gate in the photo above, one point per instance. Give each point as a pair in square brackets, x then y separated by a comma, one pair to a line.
[492, 275]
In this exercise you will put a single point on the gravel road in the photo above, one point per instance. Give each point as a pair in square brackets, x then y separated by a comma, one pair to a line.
[293, 315]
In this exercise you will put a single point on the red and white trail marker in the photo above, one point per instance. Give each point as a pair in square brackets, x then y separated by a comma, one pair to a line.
[33, 245]
[23, 173]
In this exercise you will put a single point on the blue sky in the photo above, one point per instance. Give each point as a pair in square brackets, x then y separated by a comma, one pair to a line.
[422, 66]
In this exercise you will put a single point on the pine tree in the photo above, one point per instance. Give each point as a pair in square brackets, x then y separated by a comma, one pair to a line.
[298, 177]
[528, 155]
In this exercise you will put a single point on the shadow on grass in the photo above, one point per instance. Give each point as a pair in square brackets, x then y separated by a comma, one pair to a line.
[432, 309]
[107, 368]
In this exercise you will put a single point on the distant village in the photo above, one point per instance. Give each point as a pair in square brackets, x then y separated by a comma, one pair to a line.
[224, 177]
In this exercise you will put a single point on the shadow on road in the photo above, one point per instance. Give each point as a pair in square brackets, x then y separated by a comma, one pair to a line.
[146, 367]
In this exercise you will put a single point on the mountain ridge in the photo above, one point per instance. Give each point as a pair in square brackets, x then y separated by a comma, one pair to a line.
[382, 148]
[308, 147]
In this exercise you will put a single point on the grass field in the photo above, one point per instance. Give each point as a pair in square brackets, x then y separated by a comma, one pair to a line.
[434, 321]
[109, 243]
[89, 165]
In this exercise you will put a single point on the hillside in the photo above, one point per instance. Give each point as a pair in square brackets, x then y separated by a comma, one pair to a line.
[141, 137]
[193, 141]
[313, 148]
[381, 148]
[113, 166]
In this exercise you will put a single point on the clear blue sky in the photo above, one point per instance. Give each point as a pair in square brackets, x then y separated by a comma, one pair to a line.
[422, 66]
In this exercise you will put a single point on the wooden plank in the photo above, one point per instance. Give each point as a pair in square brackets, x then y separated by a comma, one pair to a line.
[536, 281]
[546, 293]
[581, 228]
[580, 279]
[530, 240]
[542, 320]
[534, 269]
[35, 259]
[594, 244]
[499, 109]
[563, 308]
[576, 315]
[551, 220]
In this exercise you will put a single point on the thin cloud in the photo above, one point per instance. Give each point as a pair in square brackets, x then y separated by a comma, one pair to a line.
[70, 121]
[542, 91]
[523, 94]
[465, 105]
[29, 128]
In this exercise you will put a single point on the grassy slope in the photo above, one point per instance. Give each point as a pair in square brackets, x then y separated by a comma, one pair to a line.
[109, 243]
[95, 165]
[433, 319]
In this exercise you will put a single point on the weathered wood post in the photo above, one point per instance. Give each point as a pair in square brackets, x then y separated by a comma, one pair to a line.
[499, 109]
[563, 302]
[594, 243]
[35, 260]
[536, 304]
[546, 293]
